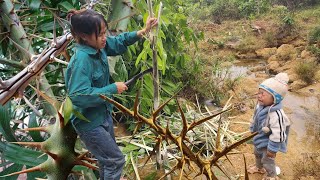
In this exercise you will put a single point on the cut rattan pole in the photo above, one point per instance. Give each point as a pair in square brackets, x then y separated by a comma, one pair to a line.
[134, 167]
[144, 143]
[60, 61]
[31, 106]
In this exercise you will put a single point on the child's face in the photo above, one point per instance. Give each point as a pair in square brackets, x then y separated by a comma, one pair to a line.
[100, 41]
[265, 98]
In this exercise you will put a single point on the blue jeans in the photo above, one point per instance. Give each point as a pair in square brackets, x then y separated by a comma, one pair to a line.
[101, 142]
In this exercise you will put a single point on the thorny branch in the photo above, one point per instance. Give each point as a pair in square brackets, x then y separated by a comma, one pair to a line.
[188, 157]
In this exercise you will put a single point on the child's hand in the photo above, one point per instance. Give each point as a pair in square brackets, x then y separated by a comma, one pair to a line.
[271, 154]
[121, 87]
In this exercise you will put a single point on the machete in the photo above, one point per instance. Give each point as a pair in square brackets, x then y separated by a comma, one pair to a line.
[137, 76]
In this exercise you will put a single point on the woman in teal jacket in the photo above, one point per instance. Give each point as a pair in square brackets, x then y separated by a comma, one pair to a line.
[87, 77]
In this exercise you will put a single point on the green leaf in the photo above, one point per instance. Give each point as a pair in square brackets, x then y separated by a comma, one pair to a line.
[79, 115]
[120, 68]
[133, 49]
[20, 155]
[66, 5]
[129, 148]
[47, 26]
[151, 176]
[35, 4]
[117, 68]
[67, 110]
[13, 168]
[35, 135]
[5, 118]
[142, 56]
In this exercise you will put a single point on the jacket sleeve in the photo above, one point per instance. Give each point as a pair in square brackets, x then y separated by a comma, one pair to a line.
[117, 45]
[81, 92]
[253, 124]
[279, 123]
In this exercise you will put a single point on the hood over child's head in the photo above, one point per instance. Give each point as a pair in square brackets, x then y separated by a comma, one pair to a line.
[276, 86]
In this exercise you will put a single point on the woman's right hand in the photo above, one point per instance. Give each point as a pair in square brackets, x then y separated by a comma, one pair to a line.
[121, 87]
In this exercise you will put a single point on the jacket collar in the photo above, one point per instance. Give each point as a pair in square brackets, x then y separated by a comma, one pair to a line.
[85, 48]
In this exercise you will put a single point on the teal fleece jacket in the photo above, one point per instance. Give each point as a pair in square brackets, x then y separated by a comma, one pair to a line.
[87, 76]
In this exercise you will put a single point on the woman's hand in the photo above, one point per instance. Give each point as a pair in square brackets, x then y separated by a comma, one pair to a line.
[121, 87]
[151, 22]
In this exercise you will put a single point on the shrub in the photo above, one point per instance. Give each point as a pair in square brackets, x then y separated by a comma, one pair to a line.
[285, 17]
[315, 51]
[249, 8]
[291, 4]
[306, 71]
[307, 167]
[225, 9]
[270, 38]
[314, 35]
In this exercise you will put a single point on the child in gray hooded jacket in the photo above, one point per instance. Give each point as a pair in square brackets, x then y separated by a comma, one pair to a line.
[272, 125]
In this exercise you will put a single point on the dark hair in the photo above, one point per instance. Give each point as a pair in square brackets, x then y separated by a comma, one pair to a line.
[85, 21]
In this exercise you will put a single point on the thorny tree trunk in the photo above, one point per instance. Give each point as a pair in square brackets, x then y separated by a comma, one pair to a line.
[18, 35]
[60, 146]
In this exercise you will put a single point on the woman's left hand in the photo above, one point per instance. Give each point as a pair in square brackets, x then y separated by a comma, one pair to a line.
[151, 22]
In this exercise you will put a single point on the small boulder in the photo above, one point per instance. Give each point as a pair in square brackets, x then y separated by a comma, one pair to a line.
[273, 66]
[265, 53]
[296, 85]
[286, 52]
[272, 58]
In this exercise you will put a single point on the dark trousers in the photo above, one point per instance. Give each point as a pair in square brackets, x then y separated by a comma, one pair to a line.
[100, 141]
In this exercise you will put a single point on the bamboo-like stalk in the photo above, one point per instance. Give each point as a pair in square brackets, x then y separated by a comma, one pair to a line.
[18, 35]
[134, 167]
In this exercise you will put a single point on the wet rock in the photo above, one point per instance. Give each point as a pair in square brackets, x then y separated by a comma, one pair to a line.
[299, 42]
[249, 55]
[272, 58]
[262, 75]
[286, 52]
[266, 53]
[258, 68]
[272, 66]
